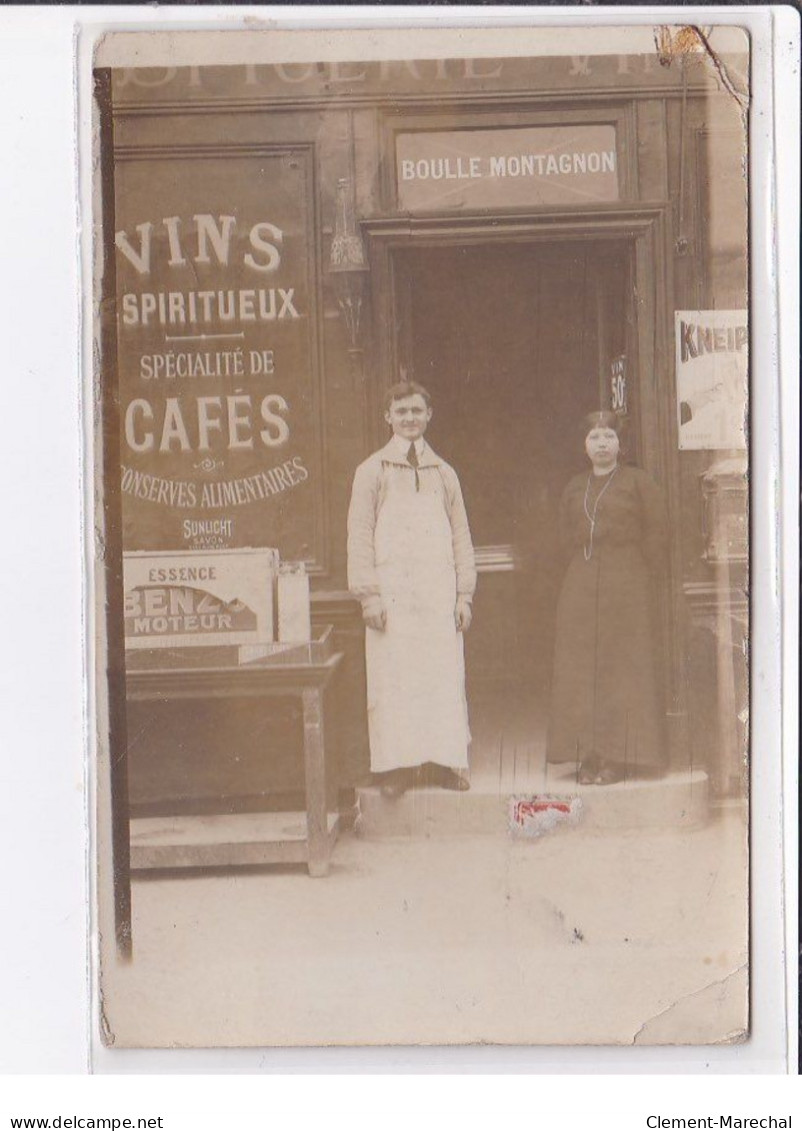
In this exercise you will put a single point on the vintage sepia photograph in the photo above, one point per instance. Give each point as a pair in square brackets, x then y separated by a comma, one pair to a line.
[421, 537]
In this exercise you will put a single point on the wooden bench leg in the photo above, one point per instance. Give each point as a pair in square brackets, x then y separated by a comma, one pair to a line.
[317, 821]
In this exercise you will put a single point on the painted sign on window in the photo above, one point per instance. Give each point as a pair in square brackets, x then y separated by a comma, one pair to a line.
[215, 328]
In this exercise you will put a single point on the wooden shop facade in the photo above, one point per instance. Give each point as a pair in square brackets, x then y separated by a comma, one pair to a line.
[529, 238]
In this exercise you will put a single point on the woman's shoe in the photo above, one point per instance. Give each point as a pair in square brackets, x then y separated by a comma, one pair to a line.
[589, 771]
[609, 773]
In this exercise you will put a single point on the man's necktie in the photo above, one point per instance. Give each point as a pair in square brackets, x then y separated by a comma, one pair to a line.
[412, 456]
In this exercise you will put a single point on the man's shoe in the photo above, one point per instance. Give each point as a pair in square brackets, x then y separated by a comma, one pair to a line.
[447, 778]
[395, 784]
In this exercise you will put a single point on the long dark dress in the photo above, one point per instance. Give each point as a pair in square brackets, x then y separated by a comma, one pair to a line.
[606, 699]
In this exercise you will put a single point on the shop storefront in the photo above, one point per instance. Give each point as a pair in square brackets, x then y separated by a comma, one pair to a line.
[515, 234]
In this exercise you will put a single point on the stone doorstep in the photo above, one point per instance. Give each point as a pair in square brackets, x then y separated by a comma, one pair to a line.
[679, 800]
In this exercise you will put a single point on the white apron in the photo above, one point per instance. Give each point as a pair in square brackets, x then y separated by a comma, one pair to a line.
[416, 667]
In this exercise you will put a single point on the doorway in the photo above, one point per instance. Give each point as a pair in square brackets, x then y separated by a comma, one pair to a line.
[515, 342]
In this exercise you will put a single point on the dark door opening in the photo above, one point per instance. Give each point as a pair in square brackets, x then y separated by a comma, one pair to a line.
[515, 341]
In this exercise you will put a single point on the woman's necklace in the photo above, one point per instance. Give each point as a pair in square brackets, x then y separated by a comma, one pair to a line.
[588, 550]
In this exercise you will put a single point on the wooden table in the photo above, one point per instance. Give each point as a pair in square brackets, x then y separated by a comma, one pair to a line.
[248, 838]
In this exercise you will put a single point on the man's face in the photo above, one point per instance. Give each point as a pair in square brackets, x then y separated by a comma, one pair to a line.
[408, 417]
[601, 444]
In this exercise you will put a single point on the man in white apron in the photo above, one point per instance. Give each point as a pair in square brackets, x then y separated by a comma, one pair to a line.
[411, 564]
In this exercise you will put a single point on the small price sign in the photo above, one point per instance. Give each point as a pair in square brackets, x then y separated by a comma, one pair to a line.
[618, 385]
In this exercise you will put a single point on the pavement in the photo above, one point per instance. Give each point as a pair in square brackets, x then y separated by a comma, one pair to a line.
[581, 936]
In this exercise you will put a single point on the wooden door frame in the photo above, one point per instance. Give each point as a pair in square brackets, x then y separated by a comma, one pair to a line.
[647, 229]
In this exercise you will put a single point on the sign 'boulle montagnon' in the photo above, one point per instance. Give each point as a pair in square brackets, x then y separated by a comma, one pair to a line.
[506, 168]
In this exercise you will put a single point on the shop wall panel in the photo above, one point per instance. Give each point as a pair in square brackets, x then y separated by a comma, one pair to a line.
[652, 155]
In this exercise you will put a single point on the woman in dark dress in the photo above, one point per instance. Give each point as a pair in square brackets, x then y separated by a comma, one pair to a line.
[606, 712]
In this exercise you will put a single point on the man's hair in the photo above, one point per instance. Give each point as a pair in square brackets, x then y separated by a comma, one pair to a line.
[404, 389]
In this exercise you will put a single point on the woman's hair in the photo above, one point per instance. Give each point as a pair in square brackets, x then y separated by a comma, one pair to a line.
[602, 419]
[404, 389]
